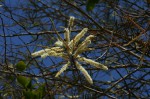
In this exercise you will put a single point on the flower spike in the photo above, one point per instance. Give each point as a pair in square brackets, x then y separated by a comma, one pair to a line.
[70, 48]
[62, 69]
[78, 37]
[91, 62]
[71, 21]
[67, 35]
[85, 73]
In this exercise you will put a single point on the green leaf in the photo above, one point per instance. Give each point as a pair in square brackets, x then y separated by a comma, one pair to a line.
[91, 4]
[10, 77]
[34, 94]
[41, 90]
[30, 94]
[21, 66]
[24, 81]
[29, 85]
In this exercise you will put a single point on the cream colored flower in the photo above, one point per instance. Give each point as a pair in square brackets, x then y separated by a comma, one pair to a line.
[47, 50]
[62, 69]
[85, 73]
[67, 35]
[81, 47]
[39, 53]
[90, 37]
[78, 37]
[91, 62]
[85, 50]
[53, 53]
[67, 49]
[71, 21]
[58, 43]
[50, 53]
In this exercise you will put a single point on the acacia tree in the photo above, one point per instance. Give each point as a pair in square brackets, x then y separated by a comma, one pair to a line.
[121, 42]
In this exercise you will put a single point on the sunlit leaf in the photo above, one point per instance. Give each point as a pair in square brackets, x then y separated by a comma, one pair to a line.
[21, 66]
[24, 81]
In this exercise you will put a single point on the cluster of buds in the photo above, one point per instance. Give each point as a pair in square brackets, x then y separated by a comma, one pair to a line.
[71, 48]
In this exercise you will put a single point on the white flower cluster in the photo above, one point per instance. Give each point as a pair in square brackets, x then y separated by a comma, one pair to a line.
[67, 48]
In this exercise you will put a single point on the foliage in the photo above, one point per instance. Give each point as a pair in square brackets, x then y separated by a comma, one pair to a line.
[21, 66]
[91, 4]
